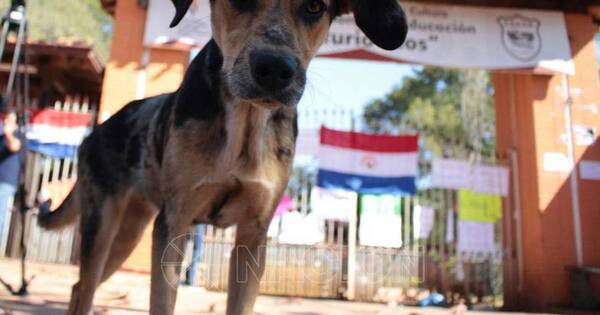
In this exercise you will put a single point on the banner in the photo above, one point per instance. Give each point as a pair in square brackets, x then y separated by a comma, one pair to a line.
[479, 207]
[439, 35]
[380, 221]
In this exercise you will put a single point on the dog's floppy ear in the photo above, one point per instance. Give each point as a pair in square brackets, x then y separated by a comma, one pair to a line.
[383, 21]
[181, 8]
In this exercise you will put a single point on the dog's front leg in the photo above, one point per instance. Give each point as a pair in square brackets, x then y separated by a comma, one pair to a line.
[246, 268]
[168, 251]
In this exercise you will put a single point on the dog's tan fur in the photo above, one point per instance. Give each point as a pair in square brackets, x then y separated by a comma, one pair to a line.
[223, 157]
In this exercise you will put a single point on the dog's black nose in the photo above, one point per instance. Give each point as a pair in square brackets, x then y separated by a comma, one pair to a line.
[273, 71]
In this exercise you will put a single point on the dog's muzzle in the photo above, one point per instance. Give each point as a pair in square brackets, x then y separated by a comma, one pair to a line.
[273, 71]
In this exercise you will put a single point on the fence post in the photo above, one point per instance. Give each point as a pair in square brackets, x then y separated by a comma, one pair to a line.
[352, 237]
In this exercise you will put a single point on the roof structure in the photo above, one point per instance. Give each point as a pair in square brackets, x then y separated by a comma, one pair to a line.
[59, 67]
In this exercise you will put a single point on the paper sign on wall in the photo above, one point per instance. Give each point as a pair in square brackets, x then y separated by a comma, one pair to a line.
[556, 162]
[589, 170]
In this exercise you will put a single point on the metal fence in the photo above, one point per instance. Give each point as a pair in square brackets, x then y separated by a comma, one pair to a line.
[315, 271]
[321, 270]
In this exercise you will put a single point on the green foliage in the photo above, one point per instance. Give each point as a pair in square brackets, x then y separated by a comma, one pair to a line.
[451, 110]
[74, 19]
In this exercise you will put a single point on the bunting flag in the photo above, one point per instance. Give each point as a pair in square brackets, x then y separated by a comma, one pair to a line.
[57, 134]
[369, 164]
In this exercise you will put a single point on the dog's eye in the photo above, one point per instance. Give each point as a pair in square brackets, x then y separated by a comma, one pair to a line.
[315, 7]
[313, 10]
[243, 5]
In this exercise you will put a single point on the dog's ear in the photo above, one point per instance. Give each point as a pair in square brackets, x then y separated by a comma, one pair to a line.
[383, 21]
[181, 8]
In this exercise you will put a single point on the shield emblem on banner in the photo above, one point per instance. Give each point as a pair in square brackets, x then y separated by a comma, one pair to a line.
[521, 36]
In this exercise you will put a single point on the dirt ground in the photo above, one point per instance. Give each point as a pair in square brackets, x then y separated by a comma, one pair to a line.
[128, 293]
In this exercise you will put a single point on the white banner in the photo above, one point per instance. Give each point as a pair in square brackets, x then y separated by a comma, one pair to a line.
[475, 237]
[332, 204]
[299, 229]
[450, 174]
[380, 221]
[440, 35]
[457, 174]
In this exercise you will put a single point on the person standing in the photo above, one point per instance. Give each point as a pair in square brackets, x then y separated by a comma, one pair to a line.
[198, 237]
[10, 166]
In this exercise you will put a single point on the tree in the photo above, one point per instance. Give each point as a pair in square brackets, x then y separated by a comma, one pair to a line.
[68, 19]
[451, 110]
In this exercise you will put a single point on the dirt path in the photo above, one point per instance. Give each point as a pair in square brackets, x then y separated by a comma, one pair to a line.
[127, 294]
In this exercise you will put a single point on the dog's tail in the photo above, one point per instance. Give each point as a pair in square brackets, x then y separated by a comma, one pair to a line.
[65, 214]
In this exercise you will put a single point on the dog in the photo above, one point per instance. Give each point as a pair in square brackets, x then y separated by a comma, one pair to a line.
[217, 151]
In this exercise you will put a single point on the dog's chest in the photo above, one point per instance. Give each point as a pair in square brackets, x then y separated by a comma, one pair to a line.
[239, 171]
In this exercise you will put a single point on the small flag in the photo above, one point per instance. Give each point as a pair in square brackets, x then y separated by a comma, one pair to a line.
[369, 164]
[57, 134]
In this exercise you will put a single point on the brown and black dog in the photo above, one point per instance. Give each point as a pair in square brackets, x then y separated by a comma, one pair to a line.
[217, 151]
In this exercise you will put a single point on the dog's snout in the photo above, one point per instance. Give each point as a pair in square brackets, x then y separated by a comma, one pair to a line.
[273, 71]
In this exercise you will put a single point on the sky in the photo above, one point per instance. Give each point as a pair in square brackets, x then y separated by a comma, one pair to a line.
[348, 84]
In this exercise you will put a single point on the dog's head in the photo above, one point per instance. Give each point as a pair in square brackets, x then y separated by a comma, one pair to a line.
[268, 44]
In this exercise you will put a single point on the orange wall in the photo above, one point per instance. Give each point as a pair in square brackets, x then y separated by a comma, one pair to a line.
[530, 119]
[120, 77]
[162, 73]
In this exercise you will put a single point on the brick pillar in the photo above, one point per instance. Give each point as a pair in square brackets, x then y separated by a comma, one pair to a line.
[121, 73]
[531, 124]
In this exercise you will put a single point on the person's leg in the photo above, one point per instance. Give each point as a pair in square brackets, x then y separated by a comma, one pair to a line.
[7, 195]
[198, 237]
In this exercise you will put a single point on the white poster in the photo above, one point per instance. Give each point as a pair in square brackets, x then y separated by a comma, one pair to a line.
[490, 180]
[380, 221]
[423, 221]
[450, 174]
[298, 229]
[457, 175]
[439, 35]
[475, 237]
[380, 230]
[332, 204]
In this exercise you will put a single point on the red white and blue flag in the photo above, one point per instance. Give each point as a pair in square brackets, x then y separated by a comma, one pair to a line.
[57, 134]
[370, 164]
